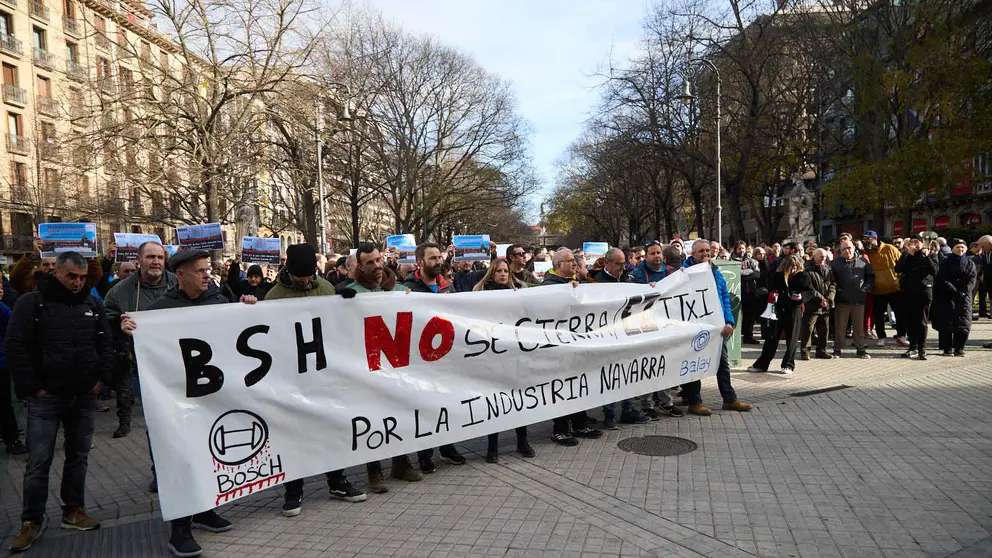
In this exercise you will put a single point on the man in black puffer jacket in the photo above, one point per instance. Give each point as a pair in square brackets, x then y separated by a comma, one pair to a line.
[59, 351]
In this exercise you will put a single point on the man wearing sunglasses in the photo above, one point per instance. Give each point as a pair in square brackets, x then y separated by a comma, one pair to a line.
[516, 256]
[854, 278]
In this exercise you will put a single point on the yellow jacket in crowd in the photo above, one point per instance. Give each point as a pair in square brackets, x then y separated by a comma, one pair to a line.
[883, 263]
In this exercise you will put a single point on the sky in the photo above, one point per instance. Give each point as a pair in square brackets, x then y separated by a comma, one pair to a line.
[550, 50]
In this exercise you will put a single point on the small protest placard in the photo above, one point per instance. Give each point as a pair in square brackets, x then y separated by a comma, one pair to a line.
[594, 251]
[471, 248]
[204, 237]
[128, 244]
[260, 250]
[68, 237]
[405, 245]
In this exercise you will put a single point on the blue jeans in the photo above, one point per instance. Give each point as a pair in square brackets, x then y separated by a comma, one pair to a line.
[690, 391]
[76, 413]
[609, 411]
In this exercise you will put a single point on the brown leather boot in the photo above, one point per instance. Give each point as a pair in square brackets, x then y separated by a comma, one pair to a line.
[737, 406]
[403, 470]
[377, 482]
[700, 410]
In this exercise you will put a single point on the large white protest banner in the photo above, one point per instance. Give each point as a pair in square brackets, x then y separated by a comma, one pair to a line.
[240, 398]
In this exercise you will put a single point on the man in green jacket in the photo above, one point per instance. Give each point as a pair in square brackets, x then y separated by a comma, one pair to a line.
[297, 279]
[137, 292]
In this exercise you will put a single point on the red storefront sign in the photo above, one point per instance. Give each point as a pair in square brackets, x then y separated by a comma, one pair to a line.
[971, 220]
[942, 222]
[897, 228]
[919, 225]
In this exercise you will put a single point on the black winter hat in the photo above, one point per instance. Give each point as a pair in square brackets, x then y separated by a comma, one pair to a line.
[301, 260]
[255, 271]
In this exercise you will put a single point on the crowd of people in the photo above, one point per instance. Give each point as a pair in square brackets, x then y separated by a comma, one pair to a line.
[67, 324]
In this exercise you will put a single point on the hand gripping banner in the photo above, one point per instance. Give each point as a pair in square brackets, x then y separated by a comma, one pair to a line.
[242, 398]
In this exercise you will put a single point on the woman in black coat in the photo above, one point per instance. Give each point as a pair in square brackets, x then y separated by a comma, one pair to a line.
[499, 278]
[953, 290]
[761, 292]
[794, 289]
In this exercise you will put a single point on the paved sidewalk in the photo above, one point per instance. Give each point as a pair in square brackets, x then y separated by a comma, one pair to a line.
[898, 464]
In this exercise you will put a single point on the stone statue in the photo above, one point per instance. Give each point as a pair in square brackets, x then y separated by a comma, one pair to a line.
[800, 212]
[246, 222]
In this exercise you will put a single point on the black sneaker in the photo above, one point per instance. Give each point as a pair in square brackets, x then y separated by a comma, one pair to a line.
[182, 543]
[959, 353]
[427, 466]
[452, 456]
[17, 448]
[674, 411]
[292, 506]
[864, 355]
[210, 521]
[492, 457]
[634, 417]
[590, 433]
[908, 354]
[344, 491]
[652, 414]
[564, 439]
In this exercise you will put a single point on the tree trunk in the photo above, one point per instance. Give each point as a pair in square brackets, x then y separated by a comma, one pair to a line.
[697, 205]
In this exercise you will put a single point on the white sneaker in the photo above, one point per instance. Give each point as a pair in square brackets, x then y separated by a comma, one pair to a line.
[785, 371]
[881, 343]
[755, 369]
[902, 341]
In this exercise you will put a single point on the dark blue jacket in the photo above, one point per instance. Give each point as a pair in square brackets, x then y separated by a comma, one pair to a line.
[721, 289]
[643, 274]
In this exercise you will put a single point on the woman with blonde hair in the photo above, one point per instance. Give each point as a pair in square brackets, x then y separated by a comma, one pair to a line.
[794, 288]
[498, 277]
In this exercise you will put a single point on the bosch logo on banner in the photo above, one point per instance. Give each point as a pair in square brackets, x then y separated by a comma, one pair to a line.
[243, 459]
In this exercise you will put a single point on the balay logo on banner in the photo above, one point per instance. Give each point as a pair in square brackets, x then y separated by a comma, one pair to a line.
[313, 385]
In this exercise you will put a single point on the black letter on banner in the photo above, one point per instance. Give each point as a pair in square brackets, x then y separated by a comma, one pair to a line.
[265, 358]
[355, 434]
[315, 346]
[196, 355]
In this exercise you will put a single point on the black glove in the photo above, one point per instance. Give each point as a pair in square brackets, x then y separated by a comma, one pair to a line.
[348, 293]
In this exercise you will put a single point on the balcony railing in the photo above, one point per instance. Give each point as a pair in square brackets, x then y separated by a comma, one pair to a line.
[44, 58]
[39, 10]
[71, 26]
[14, 95]
[17, 243]
[10, 3]
[76, 70]
[18, 144]
[102, 41]
[11, 45]
[77, 112]
[107, 85]
[48, 149]
[48, 106]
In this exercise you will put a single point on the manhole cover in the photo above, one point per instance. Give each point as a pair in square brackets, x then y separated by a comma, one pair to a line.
[657, 445]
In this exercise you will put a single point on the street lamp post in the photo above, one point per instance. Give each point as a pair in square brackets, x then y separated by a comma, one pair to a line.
[687, 97]
[345, 117]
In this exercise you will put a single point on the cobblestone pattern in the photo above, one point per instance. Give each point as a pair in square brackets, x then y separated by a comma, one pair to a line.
[899, 465]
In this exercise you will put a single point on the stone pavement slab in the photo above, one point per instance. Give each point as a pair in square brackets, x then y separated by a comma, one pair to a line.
[899, 464]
